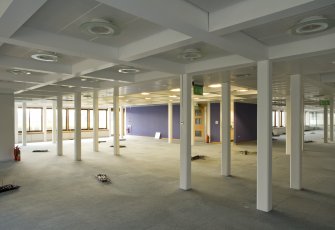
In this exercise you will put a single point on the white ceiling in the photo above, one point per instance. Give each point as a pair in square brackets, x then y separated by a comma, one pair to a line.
[231, 35]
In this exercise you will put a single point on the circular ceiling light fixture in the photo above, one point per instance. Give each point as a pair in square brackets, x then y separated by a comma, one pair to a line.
[100, 27]
[312, 25]
[215, 86]
[19, 72]
[175, 90]
[45, 56]
[128, 69]
[191, 54]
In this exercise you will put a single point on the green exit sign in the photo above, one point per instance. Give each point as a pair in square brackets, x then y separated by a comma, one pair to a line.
[198, 89]
[324, 102]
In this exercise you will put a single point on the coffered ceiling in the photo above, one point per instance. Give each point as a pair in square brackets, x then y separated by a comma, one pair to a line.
[223, 39]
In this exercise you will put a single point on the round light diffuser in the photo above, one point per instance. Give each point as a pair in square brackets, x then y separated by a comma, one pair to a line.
[45, 56]
[100, 27]
[311, 25]
[18, 72]
[191, 54]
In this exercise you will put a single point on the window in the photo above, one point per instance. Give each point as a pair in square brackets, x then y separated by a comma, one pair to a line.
[197, 112]
[198, 133]
[84, 119]
[103, 119]
[34, 116]
[71, 119]
[198, 121]
[49, 119]
[64, 119]
[283, 119]
[91, 119]
[33, 119]
[274, 118]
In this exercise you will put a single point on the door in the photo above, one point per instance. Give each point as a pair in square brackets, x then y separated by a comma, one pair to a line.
[199, 123]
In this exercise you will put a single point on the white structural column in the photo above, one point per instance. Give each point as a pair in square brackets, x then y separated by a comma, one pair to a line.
[288, 125]
[6, 132]
[45, 133]
[331, 119]
[116, 121]
[24, 123]
[325, 124]
[16, 130]
[185, 131]
[296, 131]
[77, 126]
[264, 135]
[59, 125]
[225, 146]
[121, 118]
[54, 122]
[95, 121]
[170, 122]
[208, 120]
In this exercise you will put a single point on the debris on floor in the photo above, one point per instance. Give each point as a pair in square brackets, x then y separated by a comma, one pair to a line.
[122, 139]
[8, 187]
[103, 178]
[101, 142]
[197, 157]
[308, 141]
[244, 152]
[312, 133]
[121, 146]
[40, 150]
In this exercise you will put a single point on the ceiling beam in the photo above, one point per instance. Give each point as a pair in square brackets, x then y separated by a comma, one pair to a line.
[245, 14]
[217, 64]
[317, 45]
[16, 14]
[159, 64]
[189, 20]
[154, 44]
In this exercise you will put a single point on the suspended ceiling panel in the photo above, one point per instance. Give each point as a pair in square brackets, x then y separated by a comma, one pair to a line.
[66, 16]
[276, 32]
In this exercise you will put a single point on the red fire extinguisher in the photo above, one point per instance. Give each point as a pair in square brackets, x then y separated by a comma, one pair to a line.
[17, 153]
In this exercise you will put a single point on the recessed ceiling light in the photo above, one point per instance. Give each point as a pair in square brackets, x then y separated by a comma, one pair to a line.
[121, 96]
[196, 98]
[311, 25]
[128, 70]
[175, 90]
[333, 62]
[148, 98]
[242, 90]
[170, 100]
[172, 96]
[45, 56]
[205, 94]
[191, 54]
[100, 27]
[145, 93]
[215, 86]
[19, 72]
[83, 79]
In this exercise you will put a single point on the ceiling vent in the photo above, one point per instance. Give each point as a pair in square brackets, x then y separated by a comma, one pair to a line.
[45, 56]
[191, 54]
[128, 69]
[312, 25]
[18, 72]
[100, 28]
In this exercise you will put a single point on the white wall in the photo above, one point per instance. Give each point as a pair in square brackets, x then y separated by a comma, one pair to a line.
[7, 138]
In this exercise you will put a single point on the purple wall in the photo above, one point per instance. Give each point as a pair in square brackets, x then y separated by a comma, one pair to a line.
[147, 120]
[215, 122]
[245, 122]
[176, 121]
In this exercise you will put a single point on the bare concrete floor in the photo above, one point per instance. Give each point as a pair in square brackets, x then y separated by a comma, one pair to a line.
[59, 193]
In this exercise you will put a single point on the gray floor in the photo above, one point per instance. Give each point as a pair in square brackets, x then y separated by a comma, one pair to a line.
[58, 193]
